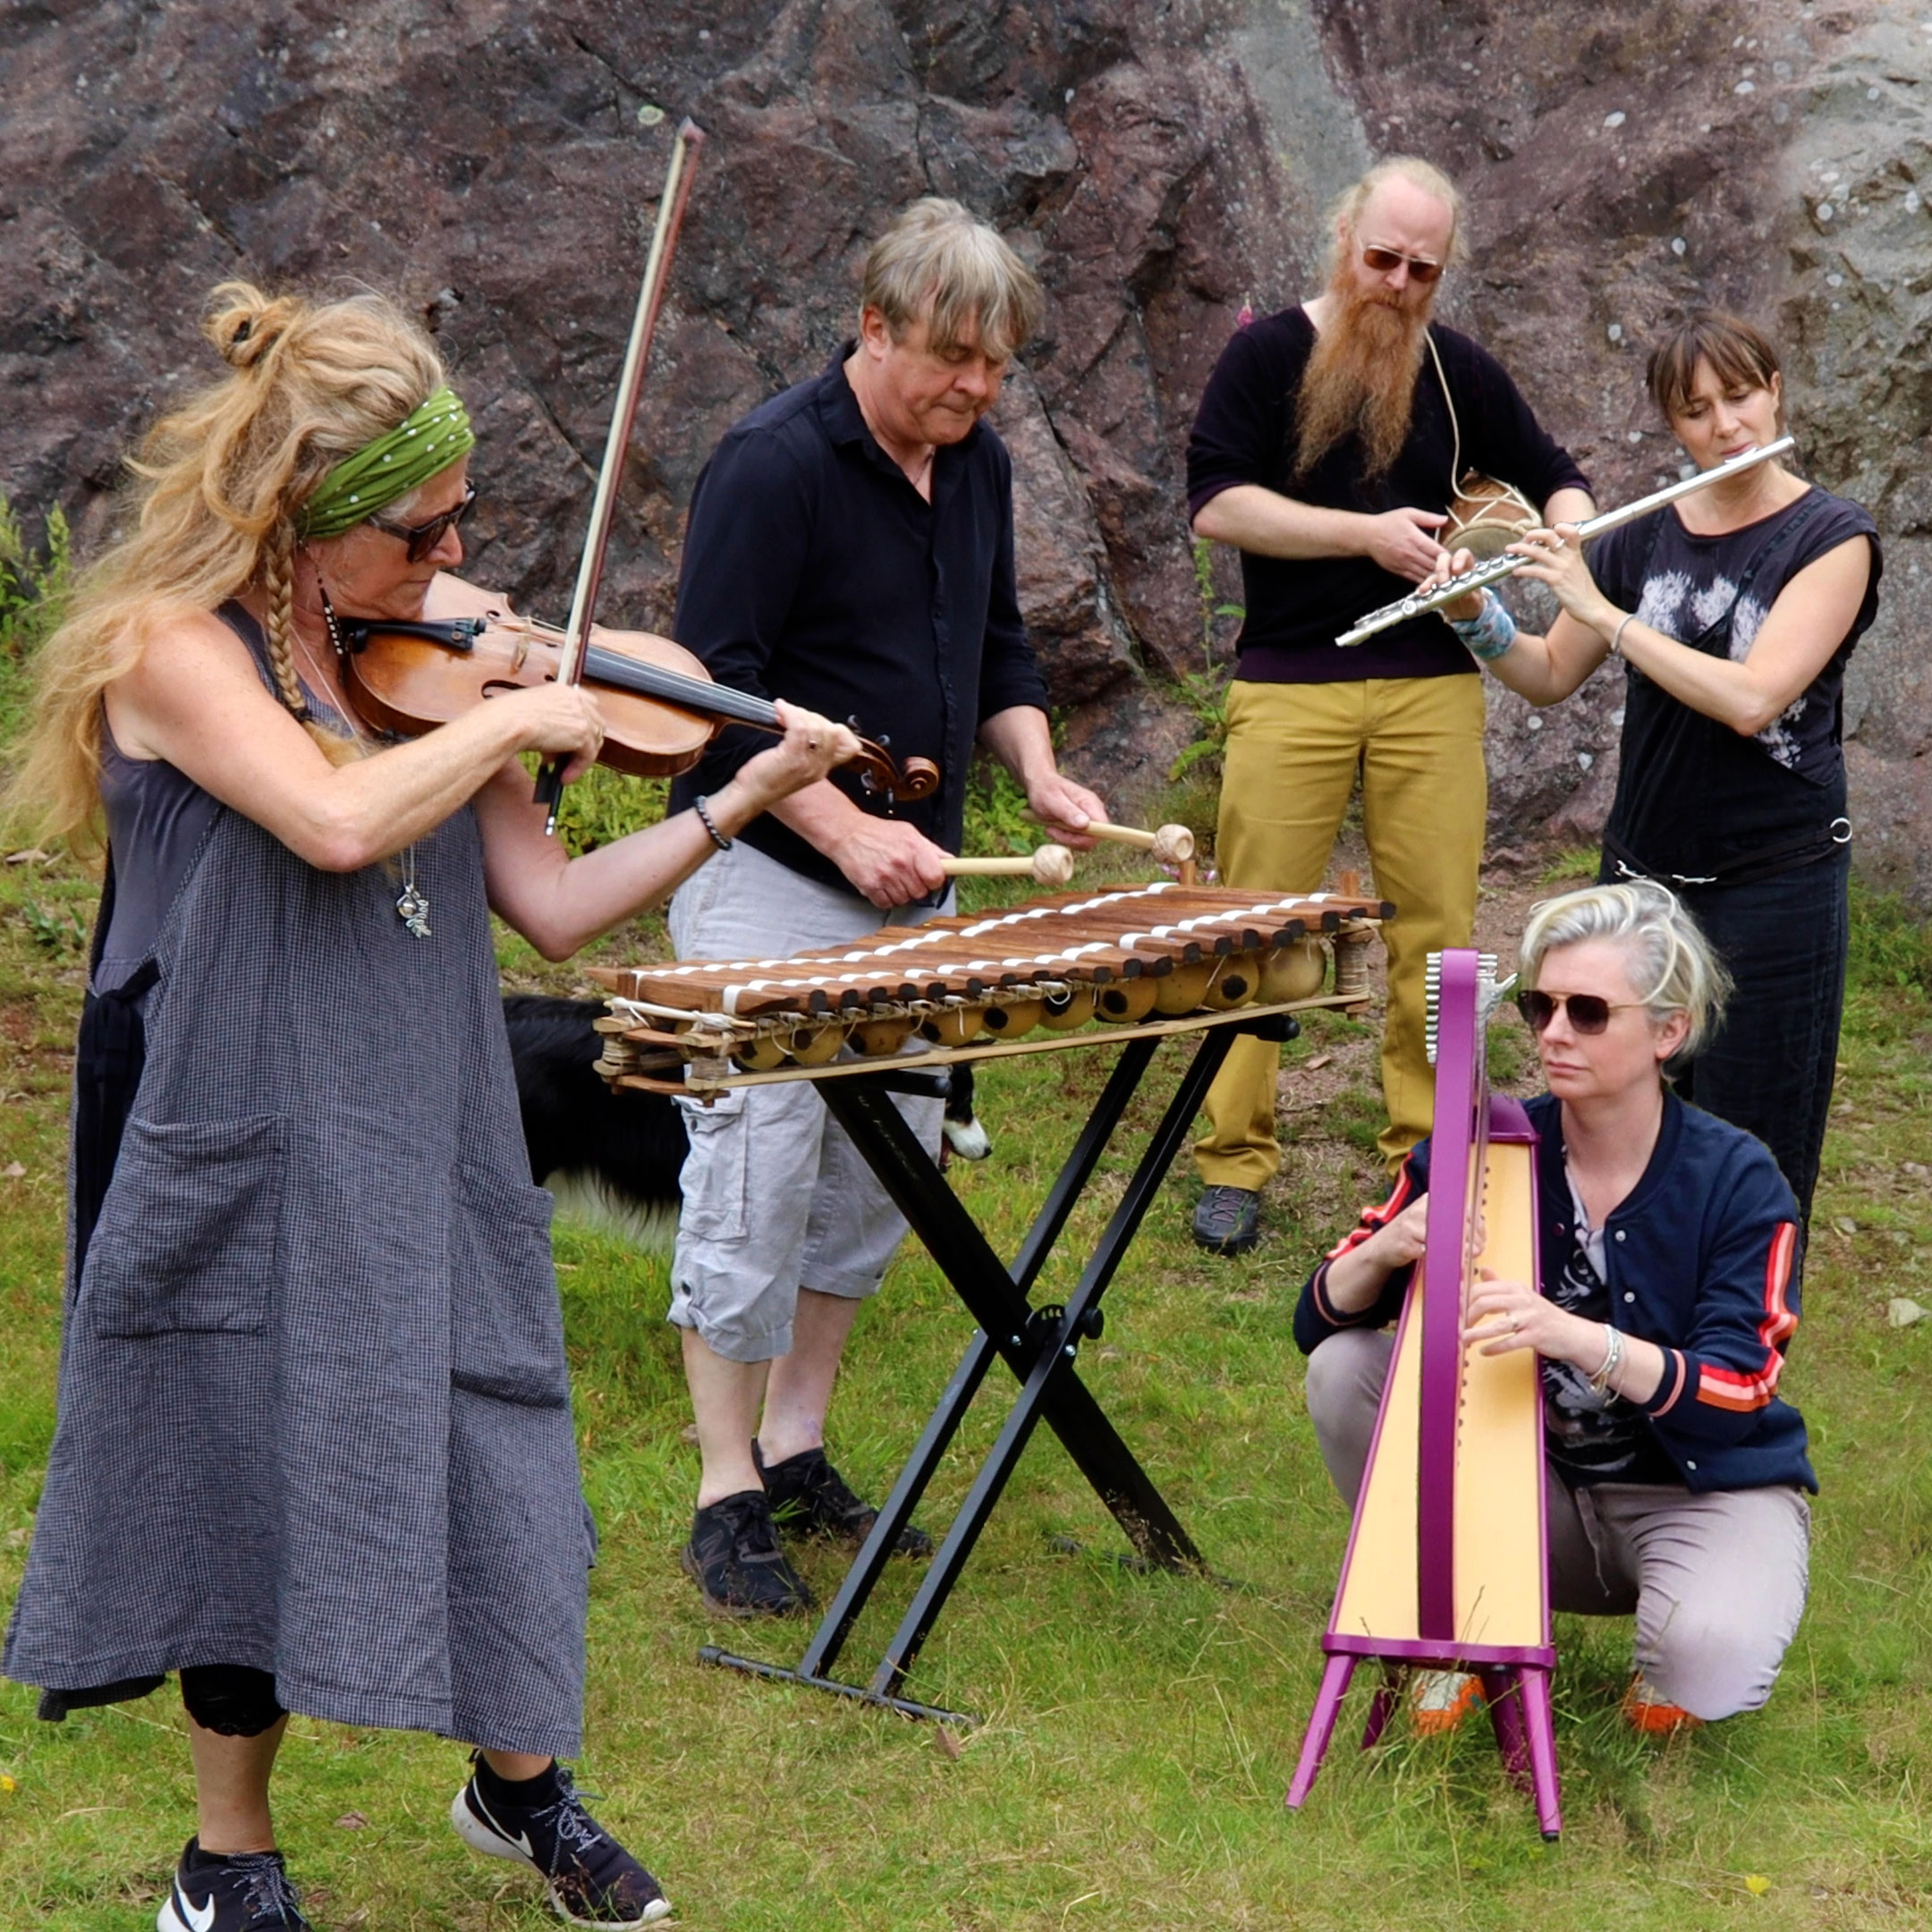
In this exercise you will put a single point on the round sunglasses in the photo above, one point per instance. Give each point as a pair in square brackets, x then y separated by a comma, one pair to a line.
[1387, 260]
[423, 538]
[1587, 1012]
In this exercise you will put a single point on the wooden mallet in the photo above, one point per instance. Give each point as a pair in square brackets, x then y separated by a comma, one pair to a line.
[1170, 845]
[1051, 865]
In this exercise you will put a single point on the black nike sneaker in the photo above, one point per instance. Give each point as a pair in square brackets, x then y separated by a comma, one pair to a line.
[246, 1892]
[592, 1880]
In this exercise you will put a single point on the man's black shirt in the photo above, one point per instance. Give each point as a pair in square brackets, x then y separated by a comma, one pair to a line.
[1296, 607]
[814, 571]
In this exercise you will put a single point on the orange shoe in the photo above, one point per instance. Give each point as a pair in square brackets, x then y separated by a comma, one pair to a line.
[1646, 1712]
[1440, 1699]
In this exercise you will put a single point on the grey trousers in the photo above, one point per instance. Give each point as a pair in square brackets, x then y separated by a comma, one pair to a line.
[775, 1197]
[1716, 1582]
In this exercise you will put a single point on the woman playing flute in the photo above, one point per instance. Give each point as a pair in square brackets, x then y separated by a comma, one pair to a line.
[1735, 611]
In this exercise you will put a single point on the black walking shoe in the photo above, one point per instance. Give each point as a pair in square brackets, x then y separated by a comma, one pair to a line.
[733, 1557]
[247, 1892]
[1227, 1220]
[809, 1495]
[592, 1879]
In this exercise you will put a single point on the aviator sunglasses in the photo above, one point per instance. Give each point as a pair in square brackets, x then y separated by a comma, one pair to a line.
[1588, 1012]
[1386, 261]
[423, 538]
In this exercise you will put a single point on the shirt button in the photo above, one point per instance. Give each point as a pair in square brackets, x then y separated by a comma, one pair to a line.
[1689, 1464]
[1620, 1234]
[1627, 1296]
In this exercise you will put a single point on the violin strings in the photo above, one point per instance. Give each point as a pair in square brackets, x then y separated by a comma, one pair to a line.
[612, 667]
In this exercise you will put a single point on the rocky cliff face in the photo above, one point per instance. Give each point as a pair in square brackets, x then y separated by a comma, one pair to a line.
[1162, 161]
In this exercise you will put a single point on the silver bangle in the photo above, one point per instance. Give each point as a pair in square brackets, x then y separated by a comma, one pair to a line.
[1612, 1357]
[704, 818]
[1617, 636]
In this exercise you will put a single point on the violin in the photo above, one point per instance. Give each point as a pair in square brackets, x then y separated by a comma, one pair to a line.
[661, 707]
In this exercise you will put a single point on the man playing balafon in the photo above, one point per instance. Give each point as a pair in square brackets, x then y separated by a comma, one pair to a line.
[1324, 451]
[850, 547]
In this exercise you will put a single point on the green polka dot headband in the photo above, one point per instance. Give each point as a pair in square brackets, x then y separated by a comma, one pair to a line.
[427, 441]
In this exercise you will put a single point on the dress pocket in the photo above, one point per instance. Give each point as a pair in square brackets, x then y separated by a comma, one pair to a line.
[715, 1180]
[506, 1328]
[190, 1235]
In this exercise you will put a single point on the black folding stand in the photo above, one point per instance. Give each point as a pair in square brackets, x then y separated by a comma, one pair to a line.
[1038, 1344]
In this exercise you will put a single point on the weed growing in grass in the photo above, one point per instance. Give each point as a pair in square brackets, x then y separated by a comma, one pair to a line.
[1576, 864]
[57, 931]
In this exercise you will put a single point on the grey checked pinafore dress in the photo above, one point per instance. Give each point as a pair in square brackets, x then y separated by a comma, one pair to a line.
[314, 1412]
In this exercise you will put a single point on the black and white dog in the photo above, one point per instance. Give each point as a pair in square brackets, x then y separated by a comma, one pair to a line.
[612, 1159]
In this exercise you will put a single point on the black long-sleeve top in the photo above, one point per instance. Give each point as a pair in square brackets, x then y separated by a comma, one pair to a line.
[1296, 607]
[814, 571]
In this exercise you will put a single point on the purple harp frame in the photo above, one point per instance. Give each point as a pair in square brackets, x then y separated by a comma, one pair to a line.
[1515, 1677]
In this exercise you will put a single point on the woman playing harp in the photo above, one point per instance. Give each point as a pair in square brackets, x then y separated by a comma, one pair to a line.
[1675, 1474]
[1735, 612]
[313, 1449]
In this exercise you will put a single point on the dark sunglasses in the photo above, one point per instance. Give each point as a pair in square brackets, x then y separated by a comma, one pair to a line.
[423, 538]
[1387, 260]
[1588, 1012]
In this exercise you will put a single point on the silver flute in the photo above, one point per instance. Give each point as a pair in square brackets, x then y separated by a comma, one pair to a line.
[1499, 567]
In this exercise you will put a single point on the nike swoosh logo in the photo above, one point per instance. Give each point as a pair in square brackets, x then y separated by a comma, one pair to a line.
[197, 1918]
[520, 1841]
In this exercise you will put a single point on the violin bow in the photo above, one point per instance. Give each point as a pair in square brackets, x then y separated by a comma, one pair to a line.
[677, 188]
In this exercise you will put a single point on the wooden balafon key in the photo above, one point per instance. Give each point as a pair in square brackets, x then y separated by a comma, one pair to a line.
[1447, 1563]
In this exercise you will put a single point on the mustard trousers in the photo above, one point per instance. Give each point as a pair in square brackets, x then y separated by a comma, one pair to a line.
[1293, 751]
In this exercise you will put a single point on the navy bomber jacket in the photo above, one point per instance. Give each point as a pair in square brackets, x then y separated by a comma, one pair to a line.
[1700, 1257]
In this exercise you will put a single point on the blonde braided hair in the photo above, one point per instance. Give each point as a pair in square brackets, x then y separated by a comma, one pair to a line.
[218, 482]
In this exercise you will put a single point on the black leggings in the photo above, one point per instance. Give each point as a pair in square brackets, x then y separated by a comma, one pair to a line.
[231, 1699]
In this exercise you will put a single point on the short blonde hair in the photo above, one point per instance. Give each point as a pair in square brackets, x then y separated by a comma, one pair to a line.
[1344, 213]
[1673, 968]
[936, 265]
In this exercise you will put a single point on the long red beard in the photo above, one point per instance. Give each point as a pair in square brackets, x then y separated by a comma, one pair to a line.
[1361, 377]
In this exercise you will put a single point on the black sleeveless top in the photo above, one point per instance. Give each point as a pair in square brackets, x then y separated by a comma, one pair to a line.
[1695, 803]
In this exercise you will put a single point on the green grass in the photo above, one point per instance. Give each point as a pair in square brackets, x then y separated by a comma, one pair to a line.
[1137, 1730]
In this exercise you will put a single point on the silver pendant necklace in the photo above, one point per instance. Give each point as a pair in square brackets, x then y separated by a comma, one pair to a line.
[412, 905]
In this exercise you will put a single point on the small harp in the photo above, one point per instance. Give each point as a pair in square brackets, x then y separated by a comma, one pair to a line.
[1447, 1566]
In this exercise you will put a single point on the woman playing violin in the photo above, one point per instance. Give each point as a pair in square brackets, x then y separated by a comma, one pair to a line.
[313, 1449]
[1735, 612]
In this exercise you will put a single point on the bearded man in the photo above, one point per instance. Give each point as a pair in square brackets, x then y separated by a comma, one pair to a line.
[1324, 451]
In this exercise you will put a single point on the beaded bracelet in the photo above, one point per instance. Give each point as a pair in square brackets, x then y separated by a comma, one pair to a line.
[704, 818]
[1489, 634]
